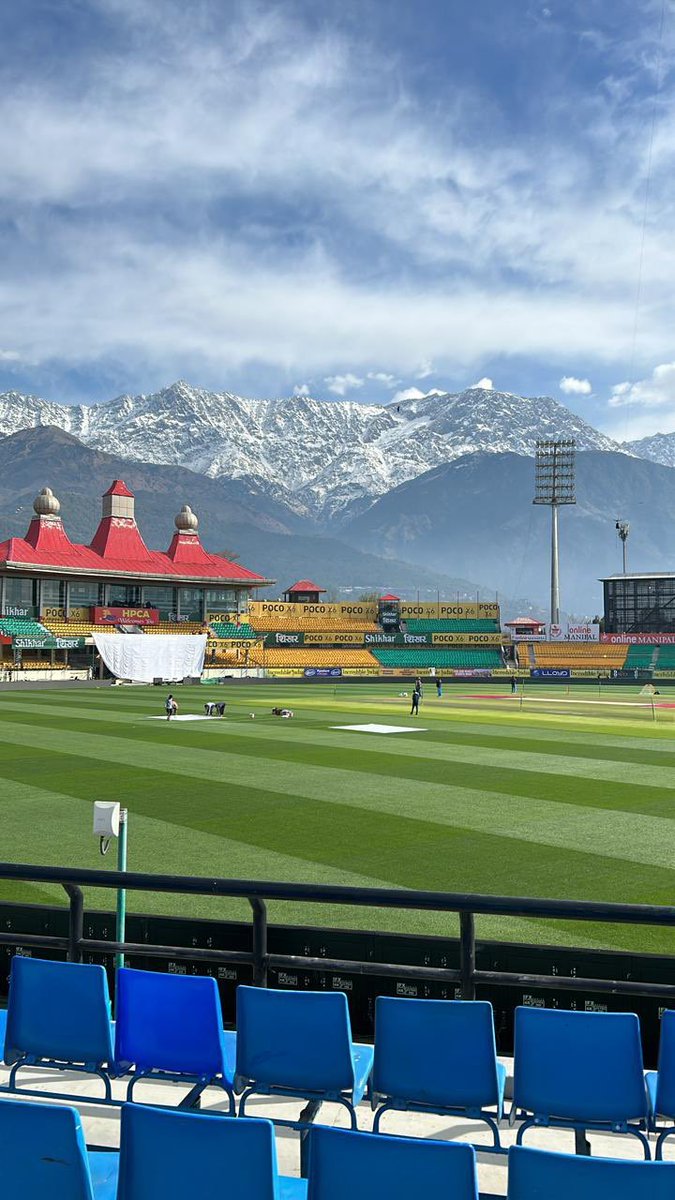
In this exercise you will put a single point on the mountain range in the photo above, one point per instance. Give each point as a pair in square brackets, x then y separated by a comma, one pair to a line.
[430, 492]
[235, 518]
[322, 459]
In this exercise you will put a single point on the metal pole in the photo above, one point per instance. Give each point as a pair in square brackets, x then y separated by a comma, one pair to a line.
[623, 554]
[121, 892]
[75, 921]
[555, 568]
[467, 955]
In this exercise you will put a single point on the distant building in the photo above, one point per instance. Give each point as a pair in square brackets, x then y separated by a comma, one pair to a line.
[640, 603]
[304, 592]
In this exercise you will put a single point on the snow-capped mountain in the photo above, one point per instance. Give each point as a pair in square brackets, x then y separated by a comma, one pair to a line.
[321, 457]
[659, 448]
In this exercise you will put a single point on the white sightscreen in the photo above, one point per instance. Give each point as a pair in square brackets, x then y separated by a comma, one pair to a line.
[144, 657]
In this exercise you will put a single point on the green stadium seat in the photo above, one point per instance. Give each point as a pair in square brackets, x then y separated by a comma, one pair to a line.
[228, 630]
[447, 625]
[23, 627]
[484, 658]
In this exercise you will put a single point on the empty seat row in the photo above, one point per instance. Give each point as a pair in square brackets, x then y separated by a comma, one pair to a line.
[573, 1070]
[176, 1156]
[477, 658]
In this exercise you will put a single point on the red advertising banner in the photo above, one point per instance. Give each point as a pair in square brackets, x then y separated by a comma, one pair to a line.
[638, 639]
[126, 616]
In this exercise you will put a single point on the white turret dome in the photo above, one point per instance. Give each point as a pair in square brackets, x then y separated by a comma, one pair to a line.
[186, 521]
[46, 504]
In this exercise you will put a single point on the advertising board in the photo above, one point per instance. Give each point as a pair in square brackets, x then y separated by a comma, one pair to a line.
[59, 614]
[19, 610]
[472, 673]
[284, 639]
[322, 672]
[584, 632]
[125, 616]
[366, 611]
[446, 610]
[638, 639]
[550, 673]
[467, 639]
[47, 643]
[332, 638]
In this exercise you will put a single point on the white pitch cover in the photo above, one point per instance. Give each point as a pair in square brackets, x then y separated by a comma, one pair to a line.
[144, 657]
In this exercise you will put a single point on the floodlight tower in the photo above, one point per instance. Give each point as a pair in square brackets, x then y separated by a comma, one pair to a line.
[554, 485]
[623, 529]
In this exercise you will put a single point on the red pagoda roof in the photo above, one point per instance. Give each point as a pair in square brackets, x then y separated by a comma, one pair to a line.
[390, 596]
[525, 621]
[305, 585]
[117, 548]
[118, 488]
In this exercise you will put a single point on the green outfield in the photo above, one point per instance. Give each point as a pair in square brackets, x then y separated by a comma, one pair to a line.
[554, 793]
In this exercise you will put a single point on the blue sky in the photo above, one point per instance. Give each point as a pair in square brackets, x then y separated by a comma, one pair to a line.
[351, 198]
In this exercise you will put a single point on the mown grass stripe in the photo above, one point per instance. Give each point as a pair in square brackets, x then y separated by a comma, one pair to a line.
[499, 742]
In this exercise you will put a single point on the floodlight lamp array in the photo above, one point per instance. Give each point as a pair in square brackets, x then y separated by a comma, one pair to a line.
[554, 472]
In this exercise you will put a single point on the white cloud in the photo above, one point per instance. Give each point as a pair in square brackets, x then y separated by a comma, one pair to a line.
[575, 387]
[301, 389]
[382, 377]
[341, 384]
[658, 391]
[123, 159]
[411, 393]
[483, 383]
[9, 356]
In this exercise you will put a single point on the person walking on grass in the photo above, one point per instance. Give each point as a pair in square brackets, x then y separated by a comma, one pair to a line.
[439, 687]
[171, 707]
[416, 697]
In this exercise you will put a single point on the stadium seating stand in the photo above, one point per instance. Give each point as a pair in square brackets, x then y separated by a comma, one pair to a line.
[474, 659]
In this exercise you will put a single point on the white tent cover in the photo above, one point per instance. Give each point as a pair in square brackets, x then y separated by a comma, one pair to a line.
[144, 657]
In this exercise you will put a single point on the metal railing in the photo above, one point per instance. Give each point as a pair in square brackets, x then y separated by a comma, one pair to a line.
[466, 905]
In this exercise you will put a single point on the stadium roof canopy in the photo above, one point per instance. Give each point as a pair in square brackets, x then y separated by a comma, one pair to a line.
[117, 548]
[305, 585]
[639, 575]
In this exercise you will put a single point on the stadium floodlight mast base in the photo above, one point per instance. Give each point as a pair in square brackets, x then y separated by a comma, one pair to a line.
[111, 820]
[554, 482]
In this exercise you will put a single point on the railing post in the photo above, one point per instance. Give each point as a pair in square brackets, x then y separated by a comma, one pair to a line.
[467, 955]
[75, 921]
[259, 942]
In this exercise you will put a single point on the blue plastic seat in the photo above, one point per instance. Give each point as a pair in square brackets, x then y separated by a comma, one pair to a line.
[299, 1044]
[44, 1156]
[579, 1070]
[178, 1155]
[437, 1056]
[171, 1027]
[661, 1084]
[542, 1175]
[362, 1166]
[58, 1016]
